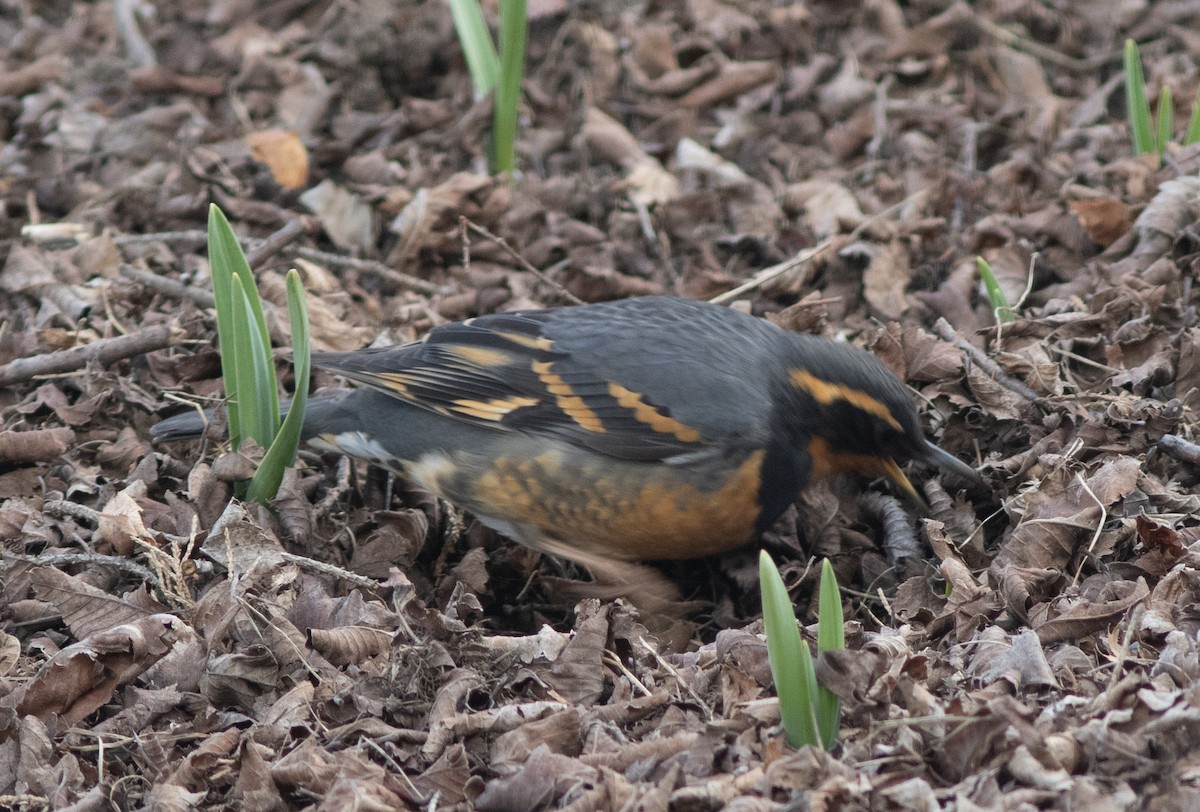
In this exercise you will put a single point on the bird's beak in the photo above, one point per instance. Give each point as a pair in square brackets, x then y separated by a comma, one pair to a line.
[939, 458]
[902, 482]
[951, 464]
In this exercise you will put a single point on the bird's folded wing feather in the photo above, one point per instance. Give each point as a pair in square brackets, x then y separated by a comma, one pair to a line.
[504, 372]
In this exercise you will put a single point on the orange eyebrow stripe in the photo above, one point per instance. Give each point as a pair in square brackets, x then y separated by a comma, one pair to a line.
[826, 393]
[643, 412]
[566, 399]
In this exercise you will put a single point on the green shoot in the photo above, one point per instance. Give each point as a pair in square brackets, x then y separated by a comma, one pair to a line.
[831, 636]
[476, 41]
[500, 70]
[282, 452]
[246, 365]
[809, 711]
[226, 261]
[513, 28]
[1137, 106]
[1192, 135]
[1166, 120]
[996, 298]
[255, 399]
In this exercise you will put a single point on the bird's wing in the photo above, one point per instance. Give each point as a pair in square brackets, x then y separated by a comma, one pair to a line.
[511, 372]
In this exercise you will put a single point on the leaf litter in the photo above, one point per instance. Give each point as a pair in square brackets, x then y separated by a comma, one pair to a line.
[1032, 645]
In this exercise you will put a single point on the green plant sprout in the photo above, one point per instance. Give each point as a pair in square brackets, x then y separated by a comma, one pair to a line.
[996, 298]
[1152, 135]
[499, 70]
[251, 388]
[810, 712]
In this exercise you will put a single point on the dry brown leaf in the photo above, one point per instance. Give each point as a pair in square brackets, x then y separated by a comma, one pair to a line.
[561, 731]
[1017, 658]
[449, 778]
[1106, 219]
[82, 677]
[284, 154]
[579, 674]
[346, 218]
[121, 523]
[86, 610]
[238, 679]
[10, 652]
[1093, 612]
[886, 279]
[349, 644]
[543, 778]
[732, 80]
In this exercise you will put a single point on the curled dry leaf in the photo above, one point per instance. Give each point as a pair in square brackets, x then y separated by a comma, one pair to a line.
[21, 447]
[10, 652]
[544, 777]
[121, 523]
[237, 680]
[648, 183]
[1093, 612]
[559, 730]
[82, 677]
[579, 673]
[886, 278]
[732, 80]
[349, 644]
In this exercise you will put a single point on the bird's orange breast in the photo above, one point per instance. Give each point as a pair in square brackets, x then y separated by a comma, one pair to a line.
[629, 510]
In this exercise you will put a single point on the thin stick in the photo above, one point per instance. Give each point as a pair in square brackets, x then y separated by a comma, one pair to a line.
[1038, 50]
[524, 263]
[276, 242]
[993, 370]
[191, 235]
[1180, 448]
[168, 286]
[370, 266]
[767, 274]
[104, 351]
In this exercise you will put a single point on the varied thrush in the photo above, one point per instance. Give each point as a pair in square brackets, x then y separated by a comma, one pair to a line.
[648, 428]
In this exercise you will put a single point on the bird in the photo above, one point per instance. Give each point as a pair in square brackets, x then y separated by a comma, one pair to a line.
[639, 429]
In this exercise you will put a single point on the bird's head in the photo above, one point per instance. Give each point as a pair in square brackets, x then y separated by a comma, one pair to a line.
[850, 414]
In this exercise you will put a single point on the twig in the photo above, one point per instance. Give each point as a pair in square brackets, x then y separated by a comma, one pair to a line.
[320, 567]
[524, 263]
[191, 235]
[119, 562]
[1179, 448]
[104, 351]
[168, 286]
[1099, 527]
[276, 242]
[993, 370]
[767, 274]
[1038, 50]
[373, 267]
[338, 490]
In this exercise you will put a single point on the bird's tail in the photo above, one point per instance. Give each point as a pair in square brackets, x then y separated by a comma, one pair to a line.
[191, 425]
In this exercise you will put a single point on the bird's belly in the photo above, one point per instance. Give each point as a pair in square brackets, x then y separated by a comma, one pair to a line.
[621, 509]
